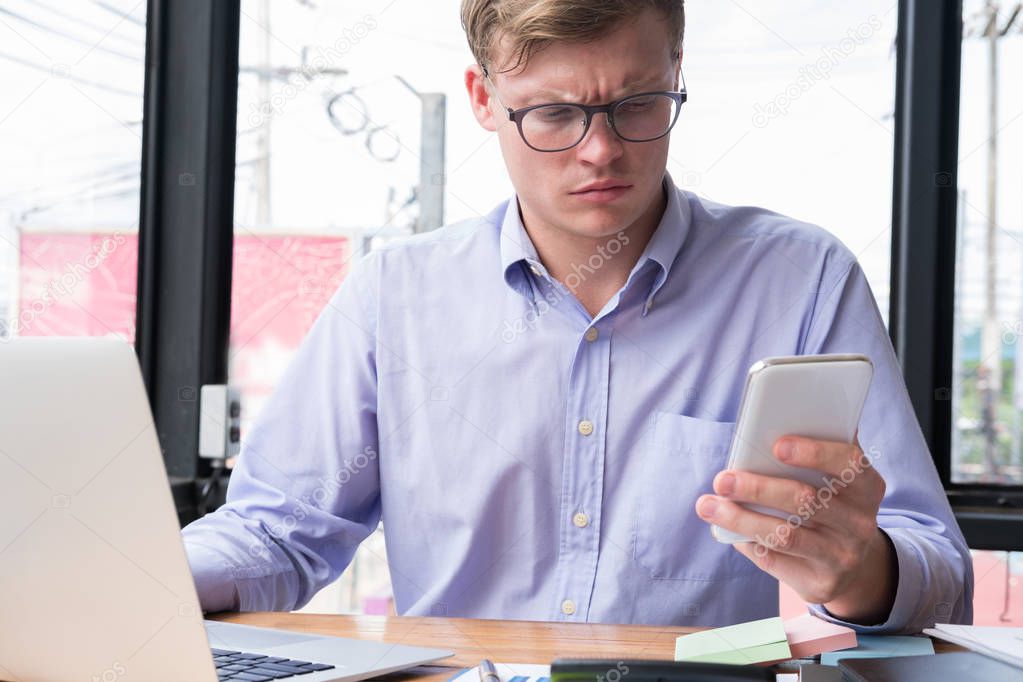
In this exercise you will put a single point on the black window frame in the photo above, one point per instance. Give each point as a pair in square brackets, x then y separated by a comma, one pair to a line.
[924, 223]
[186, 235]
[186, 227]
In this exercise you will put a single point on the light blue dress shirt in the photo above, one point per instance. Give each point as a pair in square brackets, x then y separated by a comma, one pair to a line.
[530, 461]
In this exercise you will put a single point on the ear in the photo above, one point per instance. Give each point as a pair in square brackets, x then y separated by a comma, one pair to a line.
[479, 97]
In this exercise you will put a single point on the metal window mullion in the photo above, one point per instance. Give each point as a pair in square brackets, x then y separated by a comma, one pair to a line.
[186, 225]
[924, 211]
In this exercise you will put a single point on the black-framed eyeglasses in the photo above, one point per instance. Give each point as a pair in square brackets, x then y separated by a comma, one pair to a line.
[555, 127]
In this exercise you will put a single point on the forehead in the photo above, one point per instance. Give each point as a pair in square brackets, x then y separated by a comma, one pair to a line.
[635, 52]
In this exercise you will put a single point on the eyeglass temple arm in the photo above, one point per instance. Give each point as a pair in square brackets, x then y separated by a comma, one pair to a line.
[508, 109]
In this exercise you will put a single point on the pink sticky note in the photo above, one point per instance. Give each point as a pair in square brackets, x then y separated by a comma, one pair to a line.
[809, 635]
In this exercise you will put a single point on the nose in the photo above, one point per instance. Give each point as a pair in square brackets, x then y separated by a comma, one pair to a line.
[601, 145]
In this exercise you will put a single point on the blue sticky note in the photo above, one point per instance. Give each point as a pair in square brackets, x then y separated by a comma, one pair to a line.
[878, 646]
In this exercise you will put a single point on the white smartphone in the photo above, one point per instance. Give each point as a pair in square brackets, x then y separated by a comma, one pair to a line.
[815, 396]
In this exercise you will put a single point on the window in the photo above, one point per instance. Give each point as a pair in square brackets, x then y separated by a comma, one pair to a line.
[329, 163]
[935, 317]
[329, 144]
[329, 153]
[71, 134]
[987, 409]
[790, 108]
[333, 98]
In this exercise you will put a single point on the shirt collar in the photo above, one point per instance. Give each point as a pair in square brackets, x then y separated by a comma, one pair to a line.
[667, 239]
[517, 250]
[516, 246]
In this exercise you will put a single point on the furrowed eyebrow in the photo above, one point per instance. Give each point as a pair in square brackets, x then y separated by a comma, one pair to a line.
[556, 97]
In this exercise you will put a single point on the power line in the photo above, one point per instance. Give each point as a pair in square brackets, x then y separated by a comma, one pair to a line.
[68, 36]
[87, 191]
[99, 29]
[131, 190]
[118, 13]
[112, 173]
[68, 76]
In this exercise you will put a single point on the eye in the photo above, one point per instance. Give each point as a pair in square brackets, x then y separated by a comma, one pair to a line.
[556, 114]
[637, 104]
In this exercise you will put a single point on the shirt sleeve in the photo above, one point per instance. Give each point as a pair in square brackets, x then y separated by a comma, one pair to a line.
[306, 489]
[935, 582]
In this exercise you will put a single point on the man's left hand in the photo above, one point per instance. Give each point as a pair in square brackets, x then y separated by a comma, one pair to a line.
[829, 548]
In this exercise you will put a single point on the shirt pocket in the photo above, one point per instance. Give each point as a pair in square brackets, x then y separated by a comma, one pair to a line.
[679, 465]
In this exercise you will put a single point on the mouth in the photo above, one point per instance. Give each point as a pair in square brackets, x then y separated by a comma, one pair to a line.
[602, 191]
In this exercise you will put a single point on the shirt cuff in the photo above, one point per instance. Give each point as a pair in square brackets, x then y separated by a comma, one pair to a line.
[213, 576]
[909, 593]
[278, 591]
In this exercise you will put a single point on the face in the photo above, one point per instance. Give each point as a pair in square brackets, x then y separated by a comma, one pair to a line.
[636, 57]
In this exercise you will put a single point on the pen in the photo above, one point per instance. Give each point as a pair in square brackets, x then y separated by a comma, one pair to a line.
[488, 673]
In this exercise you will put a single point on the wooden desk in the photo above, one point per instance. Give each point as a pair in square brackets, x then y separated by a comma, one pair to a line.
[505, 641]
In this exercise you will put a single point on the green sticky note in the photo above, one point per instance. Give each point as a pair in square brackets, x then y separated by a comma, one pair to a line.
[753, 642]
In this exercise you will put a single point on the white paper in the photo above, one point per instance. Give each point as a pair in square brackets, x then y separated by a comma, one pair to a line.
[507, 671]
[1004, 644]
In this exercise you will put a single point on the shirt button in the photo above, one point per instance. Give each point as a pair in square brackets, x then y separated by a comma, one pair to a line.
[568, 607]
[586, 427]
[581, 520]
[535, 270]
[591, 334]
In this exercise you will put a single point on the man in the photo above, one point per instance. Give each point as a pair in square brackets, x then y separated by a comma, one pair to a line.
[538, 403]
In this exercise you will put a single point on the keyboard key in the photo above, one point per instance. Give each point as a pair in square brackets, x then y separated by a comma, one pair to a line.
[251, 677]
[286, 668]
[276, 674]
[250, 667]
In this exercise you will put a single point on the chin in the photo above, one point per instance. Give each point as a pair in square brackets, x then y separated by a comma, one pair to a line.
[602, 220]
[596, 229]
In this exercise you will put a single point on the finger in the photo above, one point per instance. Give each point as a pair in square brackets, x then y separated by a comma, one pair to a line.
[788, 536]
[844, 465]
[828, 504]
[829, 457]
[787, 495]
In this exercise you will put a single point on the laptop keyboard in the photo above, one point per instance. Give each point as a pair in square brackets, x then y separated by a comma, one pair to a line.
[238, 665]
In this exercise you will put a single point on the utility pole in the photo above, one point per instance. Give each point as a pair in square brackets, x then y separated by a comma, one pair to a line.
[431, 158]
[9, 275]
[266, 75]
[263, 215]
[991, 346]
[431, 163]
[989, 373]
[957, 323]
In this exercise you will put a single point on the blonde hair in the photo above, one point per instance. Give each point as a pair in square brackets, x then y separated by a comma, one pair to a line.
[530, 25]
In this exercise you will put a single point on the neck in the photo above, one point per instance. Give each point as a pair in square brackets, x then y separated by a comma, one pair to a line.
[594, 268]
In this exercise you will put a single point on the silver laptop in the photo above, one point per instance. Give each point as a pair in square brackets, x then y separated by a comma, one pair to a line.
[94, 583]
